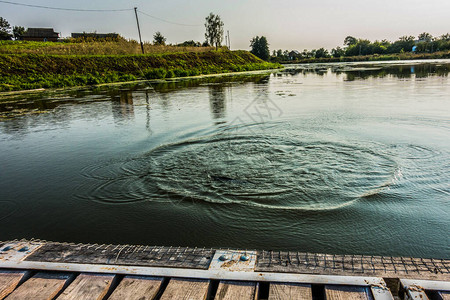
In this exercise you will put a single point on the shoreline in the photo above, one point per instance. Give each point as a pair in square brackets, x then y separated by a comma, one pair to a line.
[41, 90]
[372, 58]
[20, 72]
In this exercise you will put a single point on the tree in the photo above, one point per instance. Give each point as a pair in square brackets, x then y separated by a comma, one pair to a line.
[214, 30]
[260, 47]
[337, 52]
[425, 37]
[5, 29]
[190, 43]
[322, 52]
[404, 42]
[159, 39]
[18, 32]
[445, 37]
[349, 40]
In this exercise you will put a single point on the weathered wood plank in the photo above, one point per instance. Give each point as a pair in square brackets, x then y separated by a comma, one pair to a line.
[342, 292]
[281, 291]
[87, 286]
[41, 286]
[444, 295]
[137, 288]
[230, 290]
[186, 289]
[8, 281]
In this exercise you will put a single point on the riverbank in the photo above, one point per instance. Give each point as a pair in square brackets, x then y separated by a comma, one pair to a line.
[375, 57]
[35, 71]
[133, 82]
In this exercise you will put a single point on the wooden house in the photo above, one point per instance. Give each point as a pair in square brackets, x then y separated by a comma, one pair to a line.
[40, 34]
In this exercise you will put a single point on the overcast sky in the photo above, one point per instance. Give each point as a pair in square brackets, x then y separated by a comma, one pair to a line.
[287, 24]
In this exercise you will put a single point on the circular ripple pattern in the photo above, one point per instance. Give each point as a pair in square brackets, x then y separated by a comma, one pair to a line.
[280, 172]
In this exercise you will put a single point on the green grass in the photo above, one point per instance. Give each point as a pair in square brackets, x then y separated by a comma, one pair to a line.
[79, 47]
[33, 71]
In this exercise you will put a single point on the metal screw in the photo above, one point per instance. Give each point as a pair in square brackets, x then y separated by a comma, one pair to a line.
[245, 257]
[7, 248]
[24, 249]
[223, 257]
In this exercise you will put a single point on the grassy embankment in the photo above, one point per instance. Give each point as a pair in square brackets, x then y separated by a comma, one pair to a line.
[32, 65]
[375, 57]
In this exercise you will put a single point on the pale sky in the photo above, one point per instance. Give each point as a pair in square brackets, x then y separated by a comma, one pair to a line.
[287, 24]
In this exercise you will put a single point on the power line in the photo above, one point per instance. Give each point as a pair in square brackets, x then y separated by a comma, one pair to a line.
[170, 22]
[65, 9]
[97, 10]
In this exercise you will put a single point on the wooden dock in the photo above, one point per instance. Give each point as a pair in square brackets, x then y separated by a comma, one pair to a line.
[34, 269]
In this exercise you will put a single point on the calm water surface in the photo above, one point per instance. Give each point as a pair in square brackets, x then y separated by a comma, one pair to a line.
[339, 158]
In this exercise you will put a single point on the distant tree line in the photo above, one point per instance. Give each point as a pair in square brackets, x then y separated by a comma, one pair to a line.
[424, 43]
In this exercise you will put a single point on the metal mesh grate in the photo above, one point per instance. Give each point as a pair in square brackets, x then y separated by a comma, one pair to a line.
[278, 261]
[194, 258]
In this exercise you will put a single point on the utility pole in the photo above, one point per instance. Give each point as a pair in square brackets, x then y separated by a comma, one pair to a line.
[139, 30]
[229, 43]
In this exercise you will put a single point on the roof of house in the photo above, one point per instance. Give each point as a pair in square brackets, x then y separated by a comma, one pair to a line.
[41, 32]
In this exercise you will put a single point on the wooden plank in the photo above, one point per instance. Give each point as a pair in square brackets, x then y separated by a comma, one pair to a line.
[137, 288]
[343, 292]
[41, 286]
[281, 291]
[230, 290]
[187, 289]
[444, 295]
[8, 281]
[88, 286]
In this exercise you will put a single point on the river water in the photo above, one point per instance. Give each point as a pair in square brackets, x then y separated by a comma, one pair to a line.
[340, 158]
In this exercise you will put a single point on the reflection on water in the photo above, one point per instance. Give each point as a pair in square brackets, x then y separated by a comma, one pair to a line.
[29, 104]
[339, 158]
[217, 101]
[366, 70]
[122, 108]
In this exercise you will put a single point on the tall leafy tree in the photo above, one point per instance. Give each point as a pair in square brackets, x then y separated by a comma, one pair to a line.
[260, 47]
[425, 37]
[18, 32]
[322, 52]
[159, 39]
[337, 52]
[214, 30]
[5, 30]
[350, 40]
[445, 37]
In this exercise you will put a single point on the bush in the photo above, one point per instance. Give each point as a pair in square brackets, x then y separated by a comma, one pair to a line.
[157, 73]
[170, 74]
[180, 73]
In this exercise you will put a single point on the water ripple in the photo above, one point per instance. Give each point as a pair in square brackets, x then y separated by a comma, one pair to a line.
[275, 172]
[7, 209]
